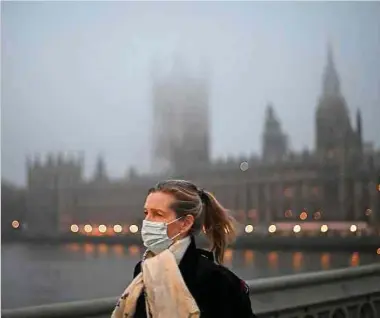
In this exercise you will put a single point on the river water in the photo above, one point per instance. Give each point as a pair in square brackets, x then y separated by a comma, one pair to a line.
[39, 274]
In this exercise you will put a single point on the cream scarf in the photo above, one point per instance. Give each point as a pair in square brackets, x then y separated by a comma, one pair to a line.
[166, 294]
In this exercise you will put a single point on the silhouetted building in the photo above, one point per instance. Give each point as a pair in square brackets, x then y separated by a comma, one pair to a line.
[336, 181]
[51, 193]
[275, 143]
[100, 174]
[180, 121]
[334, 133]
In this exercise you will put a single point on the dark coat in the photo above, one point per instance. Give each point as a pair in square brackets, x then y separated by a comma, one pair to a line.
[217, 291]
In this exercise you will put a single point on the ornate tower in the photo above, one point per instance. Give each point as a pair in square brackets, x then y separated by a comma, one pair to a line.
[335, 136]
[274, 141]
[100, 173]
[336, 140]
[181, 121]
[359, 135]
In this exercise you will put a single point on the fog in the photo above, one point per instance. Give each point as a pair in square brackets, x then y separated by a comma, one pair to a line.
[77, 76]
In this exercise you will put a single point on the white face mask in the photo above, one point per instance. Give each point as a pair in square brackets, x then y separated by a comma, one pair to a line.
[155, 235]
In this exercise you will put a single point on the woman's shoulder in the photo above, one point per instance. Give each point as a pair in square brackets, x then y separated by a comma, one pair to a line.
[217, 274]
[228, 293]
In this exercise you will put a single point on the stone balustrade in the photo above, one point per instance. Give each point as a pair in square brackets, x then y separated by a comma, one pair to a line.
[341, 293]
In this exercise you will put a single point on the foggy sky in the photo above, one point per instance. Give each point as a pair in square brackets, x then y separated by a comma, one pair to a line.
[76, 75]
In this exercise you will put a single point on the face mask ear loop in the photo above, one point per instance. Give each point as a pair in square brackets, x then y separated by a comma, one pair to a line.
[175, 236]
[180, 232]
[174, 220]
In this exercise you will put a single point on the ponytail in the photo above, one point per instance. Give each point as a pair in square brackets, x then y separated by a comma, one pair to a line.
[208, 213]
[219, 226]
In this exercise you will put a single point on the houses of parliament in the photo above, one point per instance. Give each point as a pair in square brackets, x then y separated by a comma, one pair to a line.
[337, 181]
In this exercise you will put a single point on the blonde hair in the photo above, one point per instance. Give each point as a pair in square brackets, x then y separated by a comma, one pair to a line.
[209, 215]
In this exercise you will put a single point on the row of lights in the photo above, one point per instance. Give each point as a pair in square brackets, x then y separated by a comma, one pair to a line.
[103, 228]
[317, 215]
[134, 228]
[296, 228]
[303, 216]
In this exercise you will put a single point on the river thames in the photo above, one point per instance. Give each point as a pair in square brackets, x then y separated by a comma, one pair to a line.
[40, 274]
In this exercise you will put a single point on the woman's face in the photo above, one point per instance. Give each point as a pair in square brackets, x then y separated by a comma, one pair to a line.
[157, 208]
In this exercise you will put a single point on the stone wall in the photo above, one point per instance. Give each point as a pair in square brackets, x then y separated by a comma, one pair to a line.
[341, 293]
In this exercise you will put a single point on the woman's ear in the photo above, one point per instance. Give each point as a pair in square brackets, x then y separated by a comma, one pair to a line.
[188, 223]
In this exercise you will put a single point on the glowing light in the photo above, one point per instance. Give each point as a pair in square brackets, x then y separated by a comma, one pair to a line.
[297, 261]
[117, 228]
[249, 228]
[368, 212]
[88, 228]
[297, 228]
[74, 228]
[325, 260]
[133, 228]
[102, 228]
[134, 250]
[288, 213]
[273, 260]
[303, 216]
[353, 228]
[272, 228]
[249, 256]
[378, 251]
[244, 166]
[228, 254]
[378, 187]
[324, 228]
[118, 249]
[103, 248]
[15, 224]
[355, 259]
[89, 248]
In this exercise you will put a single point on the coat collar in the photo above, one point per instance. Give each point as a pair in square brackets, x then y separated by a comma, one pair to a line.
[189, 263]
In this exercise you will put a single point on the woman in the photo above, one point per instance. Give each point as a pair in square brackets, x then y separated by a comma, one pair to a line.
[175, 279]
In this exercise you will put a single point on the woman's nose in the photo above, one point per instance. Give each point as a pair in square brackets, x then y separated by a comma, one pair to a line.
[148, 217]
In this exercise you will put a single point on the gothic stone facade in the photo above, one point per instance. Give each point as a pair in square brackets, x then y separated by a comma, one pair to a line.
[339, 180]
[264, 193]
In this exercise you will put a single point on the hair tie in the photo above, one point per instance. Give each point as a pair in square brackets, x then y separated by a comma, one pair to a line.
[202, 194]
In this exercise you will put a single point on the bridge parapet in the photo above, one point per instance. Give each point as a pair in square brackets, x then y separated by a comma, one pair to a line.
[342, 293]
